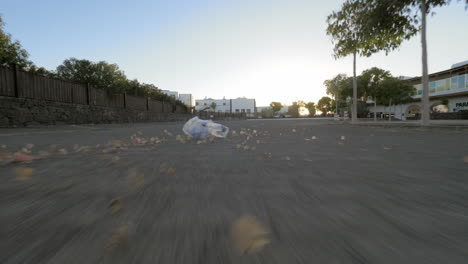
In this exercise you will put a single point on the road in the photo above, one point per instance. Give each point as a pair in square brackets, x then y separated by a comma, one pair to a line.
[302, 191]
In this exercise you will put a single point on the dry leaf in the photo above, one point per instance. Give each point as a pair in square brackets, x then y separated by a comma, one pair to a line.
[387, 148]
[25, 150]
[465, 159]
[343, 138]
[162, 168]
[18, 156]
[171, 171]
[23, 173]
[29, 146]
[118, 236]
[63, 151]
[114, 143]
[115, 159]
[249, 235]
[136, 177]
[313, 137]
[83, 149]
[246, 147]
[116, 205]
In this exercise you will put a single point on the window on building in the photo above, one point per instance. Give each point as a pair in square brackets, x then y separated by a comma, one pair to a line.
[243, 110]
[461, 81]
[196, 103]
[205, 104]
[248, 111]
[454, 82]
[224, 103]
[237, 110]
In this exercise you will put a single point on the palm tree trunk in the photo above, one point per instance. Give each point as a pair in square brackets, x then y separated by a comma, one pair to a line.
[425, 78]
[354, 109]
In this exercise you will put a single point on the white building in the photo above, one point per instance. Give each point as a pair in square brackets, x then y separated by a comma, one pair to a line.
[187, 99]
[238, 105]
[448, 92]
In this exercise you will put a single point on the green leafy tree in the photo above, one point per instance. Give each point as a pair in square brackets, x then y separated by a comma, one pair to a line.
[310, 106]
[102, 75]
[276, 106]
[392, 22]
[213, 106]
[353, 32]
[11, 52]
[325, 105]
[295, 108]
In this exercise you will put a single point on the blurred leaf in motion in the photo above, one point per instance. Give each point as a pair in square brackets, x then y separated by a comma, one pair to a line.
[249, 235]
[136, 177]
[116, 205]
[115, 159]
[18, 156]
[171, 171]
[118, 236]
[63, 151]
[23, 173]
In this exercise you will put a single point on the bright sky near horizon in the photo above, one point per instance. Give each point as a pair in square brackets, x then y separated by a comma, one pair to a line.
[267, 50]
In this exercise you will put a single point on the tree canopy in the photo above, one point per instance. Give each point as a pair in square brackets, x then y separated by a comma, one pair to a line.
[276, 106]
[325, 105]
[310, 106]
[11, 52]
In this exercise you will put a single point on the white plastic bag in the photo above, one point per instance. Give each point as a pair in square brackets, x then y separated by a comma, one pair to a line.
[199, 128]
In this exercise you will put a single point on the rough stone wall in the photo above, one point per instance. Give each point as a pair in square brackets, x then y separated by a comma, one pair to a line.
[21, 112]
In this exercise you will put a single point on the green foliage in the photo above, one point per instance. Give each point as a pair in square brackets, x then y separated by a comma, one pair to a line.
[325, 105]
[11, 52]
[213, 106]
[267, 113]
[294, 109]
[310, 106]
[276, 106]
[392, 91]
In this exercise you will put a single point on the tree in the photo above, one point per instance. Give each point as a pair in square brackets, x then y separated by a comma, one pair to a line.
[335, 87]
[395, 21]
[213, 106]
[371, 80]
[102, 75]
[310, 106]
[11, 52]
[276, 106]
[353, 31]
[267, 112]
[295, 109]
[325, 105]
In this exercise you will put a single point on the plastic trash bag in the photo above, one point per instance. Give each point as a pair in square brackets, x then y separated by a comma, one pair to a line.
[199, 128]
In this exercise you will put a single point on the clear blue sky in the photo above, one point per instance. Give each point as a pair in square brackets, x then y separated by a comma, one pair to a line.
[268, 50]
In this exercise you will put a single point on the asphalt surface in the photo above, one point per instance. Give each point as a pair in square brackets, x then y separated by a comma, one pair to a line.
[301, 191]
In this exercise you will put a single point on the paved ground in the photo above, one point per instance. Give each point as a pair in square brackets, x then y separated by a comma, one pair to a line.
[311, 191]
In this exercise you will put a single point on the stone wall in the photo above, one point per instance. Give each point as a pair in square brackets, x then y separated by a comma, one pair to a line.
[21, 112]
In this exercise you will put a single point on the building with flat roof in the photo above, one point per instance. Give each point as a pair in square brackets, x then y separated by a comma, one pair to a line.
[187, 99]
[448, 92]
[237, 105]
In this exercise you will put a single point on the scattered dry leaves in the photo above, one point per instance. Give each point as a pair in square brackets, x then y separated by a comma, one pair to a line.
[171, 171]
[465, 159]
[63, 151]
[18, 156]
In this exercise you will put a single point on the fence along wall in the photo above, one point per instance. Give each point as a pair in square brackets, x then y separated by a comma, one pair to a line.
[16, 83]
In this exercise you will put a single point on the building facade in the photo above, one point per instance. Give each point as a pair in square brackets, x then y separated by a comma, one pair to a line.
[187, 99]
[238, 105]
[448, 92]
